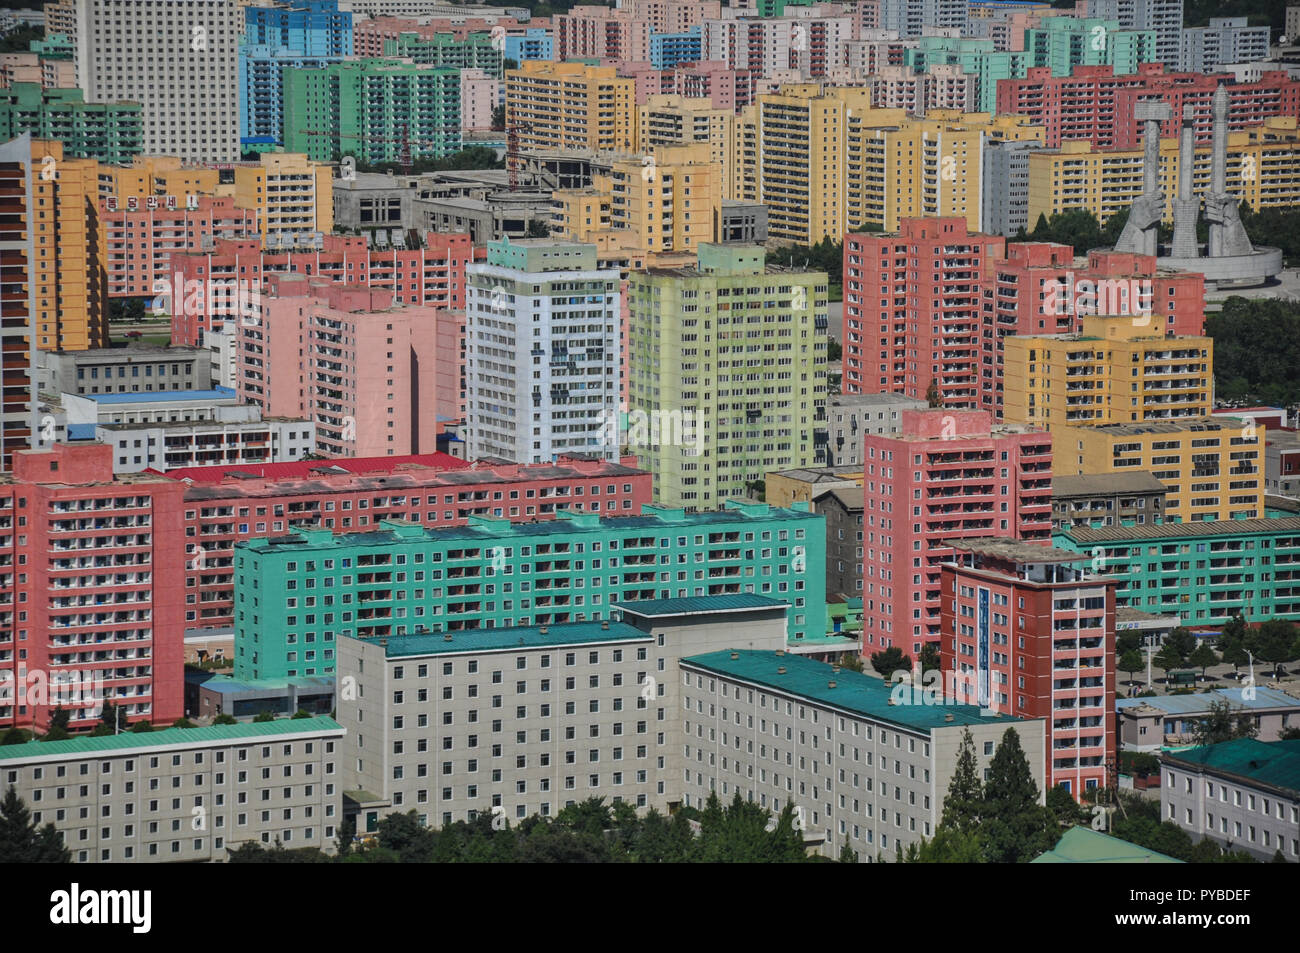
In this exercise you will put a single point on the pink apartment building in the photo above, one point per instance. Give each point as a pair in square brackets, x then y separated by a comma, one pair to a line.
[349, 359]
[433, 276]
[947, 475]
[368, 35]
[479, 93]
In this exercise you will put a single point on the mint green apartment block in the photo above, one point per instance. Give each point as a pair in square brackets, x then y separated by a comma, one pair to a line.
[475, 51]
[297, 595]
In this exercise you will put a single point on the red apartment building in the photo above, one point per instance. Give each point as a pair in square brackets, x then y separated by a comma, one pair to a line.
[1036, 637]
[1094, 104]
[141, 235]
[94, 561]
[433, 275]
[947, 475]
[226, 505]
[933, 303]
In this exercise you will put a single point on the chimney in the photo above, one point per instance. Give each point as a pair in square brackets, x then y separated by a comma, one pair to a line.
[542, 630]
[831, 683]
[735, 655]
[447, 637]
[780, 670]
[604, 626]
[780, 651]
[948, 717]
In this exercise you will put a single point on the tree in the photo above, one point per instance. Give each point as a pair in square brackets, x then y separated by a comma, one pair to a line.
[1131, 662]
[15, 736]
[932, 395]
[1127, 642]
[1203, 657]
[1274, 642]
[1182, 642]
[1064, 807]
[847, 854]
[962, 805]
[1234, 653]
[538, 229]
[1257, 346]
[183, 722]
[1015, 828]
[1286, 734]
[1167, 659]
[499, 117]
[300, 713]
[948, 846]
[1221, 724]
[224, 719]
[141, 727]
[929, 658]
[22, 841]
[58, 730]
[890, 660]
[407, 837]
[264, 715]
[112, 717]
[851, 661]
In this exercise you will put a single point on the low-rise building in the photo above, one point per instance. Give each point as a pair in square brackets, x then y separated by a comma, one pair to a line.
[1170, 721]
[123, 370]
[1116, 499]
[1242, 794]
[233, 436]
[184, 794]
[784, 487]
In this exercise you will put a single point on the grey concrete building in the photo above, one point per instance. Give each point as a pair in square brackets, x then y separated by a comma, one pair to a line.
[1169, 721]
[859, 768]
[525, 721]
[744, 222]
[123, 370]
[1112, 499]
[1163, 16]
[1241, 794]
[494, 216]
[843, 509]
[1226, 40]
[1282, 462]
[366, 200]
[1004, 195]
[849, 417]
[183, 794]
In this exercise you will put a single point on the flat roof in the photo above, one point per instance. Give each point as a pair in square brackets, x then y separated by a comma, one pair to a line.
[500, 640]
[1275, 763]
[161, 396]
[1015, 550]
[735, 602]
[1105, 534]
[854, 692]
[300, 469]
[1189, 424]
[1129, 614]
[132, 741]
[1093, 484]
[1265, 698]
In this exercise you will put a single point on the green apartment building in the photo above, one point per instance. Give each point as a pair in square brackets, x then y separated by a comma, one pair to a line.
[297, 595]
[372, 109]
[109, 132]
[1206, 572]
[975, 56]
[727, 373]
[1066, 42]
[475, 51]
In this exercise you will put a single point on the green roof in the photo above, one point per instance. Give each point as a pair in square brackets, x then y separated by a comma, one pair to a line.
[854, 692]
[1274, 763]
[687, 606]
[1083, 845]
[130, 740]
[500, 640]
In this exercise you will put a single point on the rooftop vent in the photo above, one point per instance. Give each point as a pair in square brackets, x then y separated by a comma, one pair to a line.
[780, 670]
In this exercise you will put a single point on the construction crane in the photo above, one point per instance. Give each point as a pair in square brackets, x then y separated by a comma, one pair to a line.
[512, 151]
[404, 158]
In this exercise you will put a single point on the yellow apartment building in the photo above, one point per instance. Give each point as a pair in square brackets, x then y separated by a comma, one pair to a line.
[1262, 169]
[1120, 369]
[157, 175]
[1211, 465]
[670, 120]
[570, 106]
[290, 193]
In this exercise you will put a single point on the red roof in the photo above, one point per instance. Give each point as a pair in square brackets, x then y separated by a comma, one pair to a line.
[303, 469]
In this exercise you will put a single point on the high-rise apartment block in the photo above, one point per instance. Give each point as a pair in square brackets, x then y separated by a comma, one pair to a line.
[291, 195]
[912, 17]
[1164, 17]
[109, 132]
[1035, 635]
[543, 353]
[1227, 40]
[1120, 369]
[18, 271]
[570, 106]
[177, 58]
[727, 376]
[948, 475]
[403, 579]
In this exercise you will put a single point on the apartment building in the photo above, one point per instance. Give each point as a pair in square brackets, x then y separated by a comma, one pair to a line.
[177, 58]
[809, 41]
[472, 51]
[1095, 502]
[184, 794]
[1004, 187]
[51, 72]
[907, 328]
[345, 357]
[18, 272]
[68, 271]
[1062, 43]
[1033, 636]
[547, 306]
[122, 370]
[432, 275]
[1164, 17]
[1204, 572]
[911, 17]
[97, 622]
[858, 770]
[142, 235]
[670, 200]
[569, 106]
[1227, 40]
[947, 475]
[109, 132]
[233, 436]
[1240, 794]
[1213, 467]
[678, 120]
[849, 416]
[749, 548]
[1121, 369]
[711, 413]
[157, 176]
[261, 90]
[290, 195]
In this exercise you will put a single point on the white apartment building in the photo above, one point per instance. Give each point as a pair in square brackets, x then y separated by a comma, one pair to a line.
[235, 436]
[543, 352]
[177, 58]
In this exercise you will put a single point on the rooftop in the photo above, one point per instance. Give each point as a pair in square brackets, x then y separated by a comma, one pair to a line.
[854, 692]
[849, 497]
[301, 469]
[1107, 534]
[1156, 426]
[501, 640]
[1083, 845]
[1264, 698]
[1099, 484]
[132, 741]
[161, 396]
[1015, 550]
[1273, 763]
[654, 608]
[822, 474]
